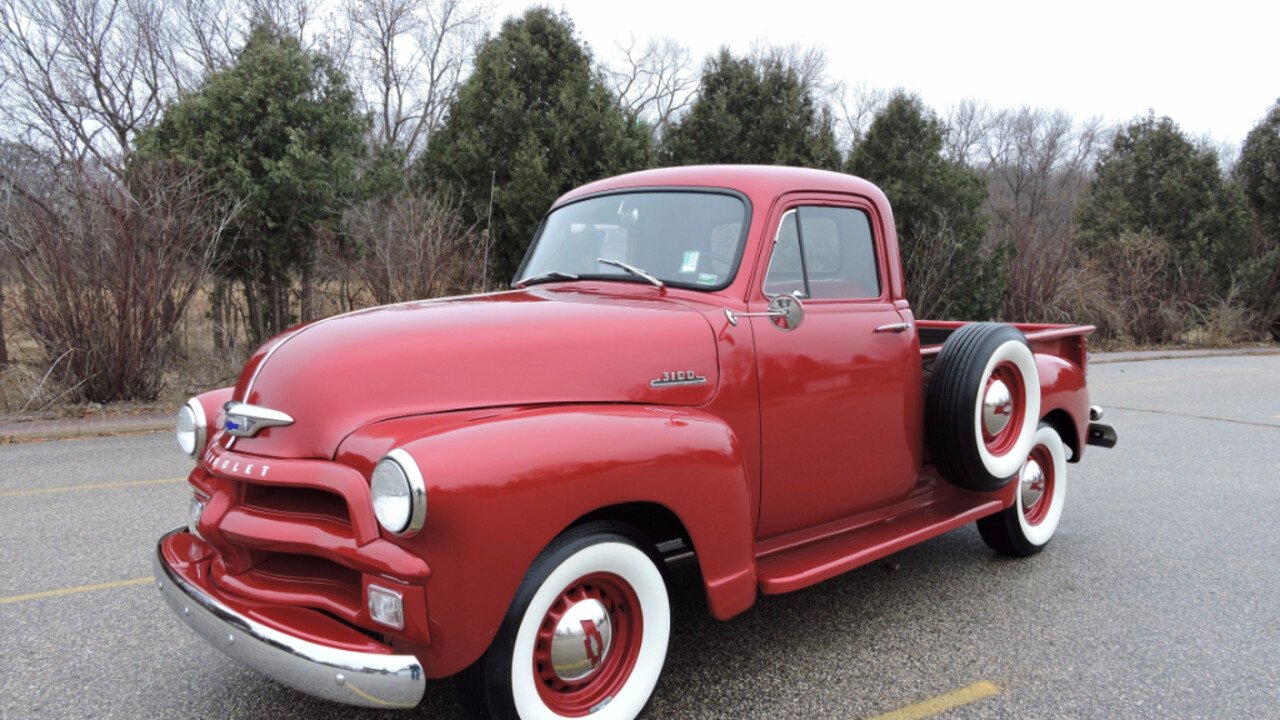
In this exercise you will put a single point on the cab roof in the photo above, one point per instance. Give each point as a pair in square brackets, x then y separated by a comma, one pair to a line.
[757, 182]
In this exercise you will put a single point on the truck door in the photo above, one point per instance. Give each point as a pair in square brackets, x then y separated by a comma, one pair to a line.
[839, 395]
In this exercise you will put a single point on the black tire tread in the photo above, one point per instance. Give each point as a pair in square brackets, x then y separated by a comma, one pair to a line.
[953, 388]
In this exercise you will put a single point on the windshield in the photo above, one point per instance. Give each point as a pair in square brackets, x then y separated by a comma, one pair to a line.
[684, 238]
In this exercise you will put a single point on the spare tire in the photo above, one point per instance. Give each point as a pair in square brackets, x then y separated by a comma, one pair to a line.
[982, 406]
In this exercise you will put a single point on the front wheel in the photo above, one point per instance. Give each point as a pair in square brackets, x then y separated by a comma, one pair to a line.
[586, 634]
[1026, 527]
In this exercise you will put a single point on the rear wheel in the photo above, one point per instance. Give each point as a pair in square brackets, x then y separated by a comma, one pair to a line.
[586, 634]
[1027, 526]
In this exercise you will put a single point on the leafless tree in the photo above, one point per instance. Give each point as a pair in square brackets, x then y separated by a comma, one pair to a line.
[809, 62]
[969, 127]
[412, 246]
[295, 17]
[655, 82]
[1037, 163]
[933, 284]
[409, 58]
[107, 268]
[856, 107]
[85, 75]
[212, 34]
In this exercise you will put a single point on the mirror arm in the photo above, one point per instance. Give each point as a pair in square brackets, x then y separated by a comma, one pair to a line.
[733, 316]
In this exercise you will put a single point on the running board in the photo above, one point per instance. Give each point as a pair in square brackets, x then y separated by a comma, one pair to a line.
[809, 564]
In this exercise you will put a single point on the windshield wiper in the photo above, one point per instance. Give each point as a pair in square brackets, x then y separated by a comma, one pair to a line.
[546, 277]
[631, 269]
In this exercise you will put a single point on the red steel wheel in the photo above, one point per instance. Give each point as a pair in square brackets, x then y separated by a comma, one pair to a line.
[1036, 485]
[1004, 408]
[587, 644]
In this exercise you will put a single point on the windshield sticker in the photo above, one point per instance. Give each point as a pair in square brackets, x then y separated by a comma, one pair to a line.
[690, 263]
[707, 279]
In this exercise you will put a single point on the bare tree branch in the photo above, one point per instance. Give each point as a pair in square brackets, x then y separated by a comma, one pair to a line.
[654, 82]
[409, 58]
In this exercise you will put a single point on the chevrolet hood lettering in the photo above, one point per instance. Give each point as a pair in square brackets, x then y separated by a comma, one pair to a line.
[245, 420]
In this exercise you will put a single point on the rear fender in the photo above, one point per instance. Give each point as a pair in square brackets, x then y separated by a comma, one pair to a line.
[1063, 392]
[500, 488]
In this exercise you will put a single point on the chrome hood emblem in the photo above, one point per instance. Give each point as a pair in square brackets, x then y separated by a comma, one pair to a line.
[245, 420]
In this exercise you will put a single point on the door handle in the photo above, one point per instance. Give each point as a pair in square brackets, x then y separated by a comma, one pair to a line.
[900, 327]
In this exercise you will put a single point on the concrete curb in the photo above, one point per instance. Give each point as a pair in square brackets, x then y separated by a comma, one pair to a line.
[83, 427]
[1105, 358]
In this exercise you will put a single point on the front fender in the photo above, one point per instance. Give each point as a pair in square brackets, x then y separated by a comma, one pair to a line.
[500, 488]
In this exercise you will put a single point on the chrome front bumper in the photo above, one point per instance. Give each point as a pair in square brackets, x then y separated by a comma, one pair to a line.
[345, 676]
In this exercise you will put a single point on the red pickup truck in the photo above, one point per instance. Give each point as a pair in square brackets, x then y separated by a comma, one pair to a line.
[711, 359]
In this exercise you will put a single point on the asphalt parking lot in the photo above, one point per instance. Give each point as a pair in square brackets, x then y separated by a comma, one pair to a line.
[1159, 597]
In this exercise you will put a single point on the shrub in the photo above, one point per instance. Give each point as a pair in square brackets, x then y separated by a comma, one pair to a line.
[106, 270]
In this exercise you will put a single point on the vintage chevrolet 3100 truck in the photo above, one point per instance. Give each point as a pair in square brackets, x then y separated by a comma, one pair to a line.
[716, 358]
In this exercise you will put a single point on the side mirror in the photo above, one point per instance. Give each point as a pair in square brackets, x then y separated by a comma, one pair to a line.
[786, 311]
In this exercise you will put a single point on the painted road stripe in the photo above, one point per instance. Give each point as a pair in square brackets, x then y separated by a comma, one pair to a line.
[75, 590]
[942, 703]
[90, 486]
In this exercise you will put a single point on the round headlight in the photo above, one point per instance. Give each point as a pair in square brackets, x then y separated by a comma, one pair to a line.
[190, 427]
[398, 493]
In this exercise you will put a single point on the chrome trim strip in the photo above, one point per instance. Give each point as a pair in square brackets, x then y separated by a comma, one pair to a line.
[417, 490]
[345, 676]
[270, 351]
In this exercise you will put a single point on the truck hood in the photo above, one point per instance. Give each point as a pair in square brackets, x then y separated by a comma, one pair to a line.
[526, 347]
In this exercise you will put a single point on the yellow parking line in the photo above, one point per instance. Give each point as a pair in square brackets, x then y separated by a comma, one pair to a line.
[75, 590]
[942, 703]
[90, 486]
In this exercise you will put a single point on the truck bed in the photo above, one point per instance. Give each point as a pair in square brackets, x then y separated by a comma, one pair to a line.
[1064, 341]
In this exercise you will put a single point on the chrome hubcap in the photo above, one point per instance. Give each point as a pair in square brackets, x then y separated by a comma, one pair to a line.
[997, 408]
[581, 641]
[1033, 484]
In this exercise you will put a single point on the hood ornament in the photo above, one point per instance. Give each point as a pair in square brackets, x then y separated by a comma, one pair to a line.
[245, 420]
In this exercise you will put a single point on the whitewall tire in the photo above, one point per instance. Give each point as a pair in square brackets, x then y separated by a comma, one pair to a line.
[1027, 526]
[586, 635]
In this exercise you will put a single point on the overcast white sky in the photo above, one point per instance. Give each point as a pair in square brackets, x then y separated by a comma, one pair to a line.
[1214, 67]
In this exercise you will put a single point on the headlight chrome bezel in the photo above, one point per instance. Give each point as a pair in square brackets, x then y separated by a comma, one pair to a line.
[417, 494]
[200, 427]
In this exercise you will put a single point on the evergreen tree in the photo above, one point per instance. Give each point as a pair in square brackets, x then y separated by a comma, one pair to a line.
[756, 112]
[280, 133]
[1153, 179]
[533, 121]
[937, 208]
[1259, 176]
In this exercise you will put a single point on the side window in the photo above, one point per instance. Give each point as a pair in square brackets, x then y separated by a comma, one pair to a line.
[825, 253]
[786, 268]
